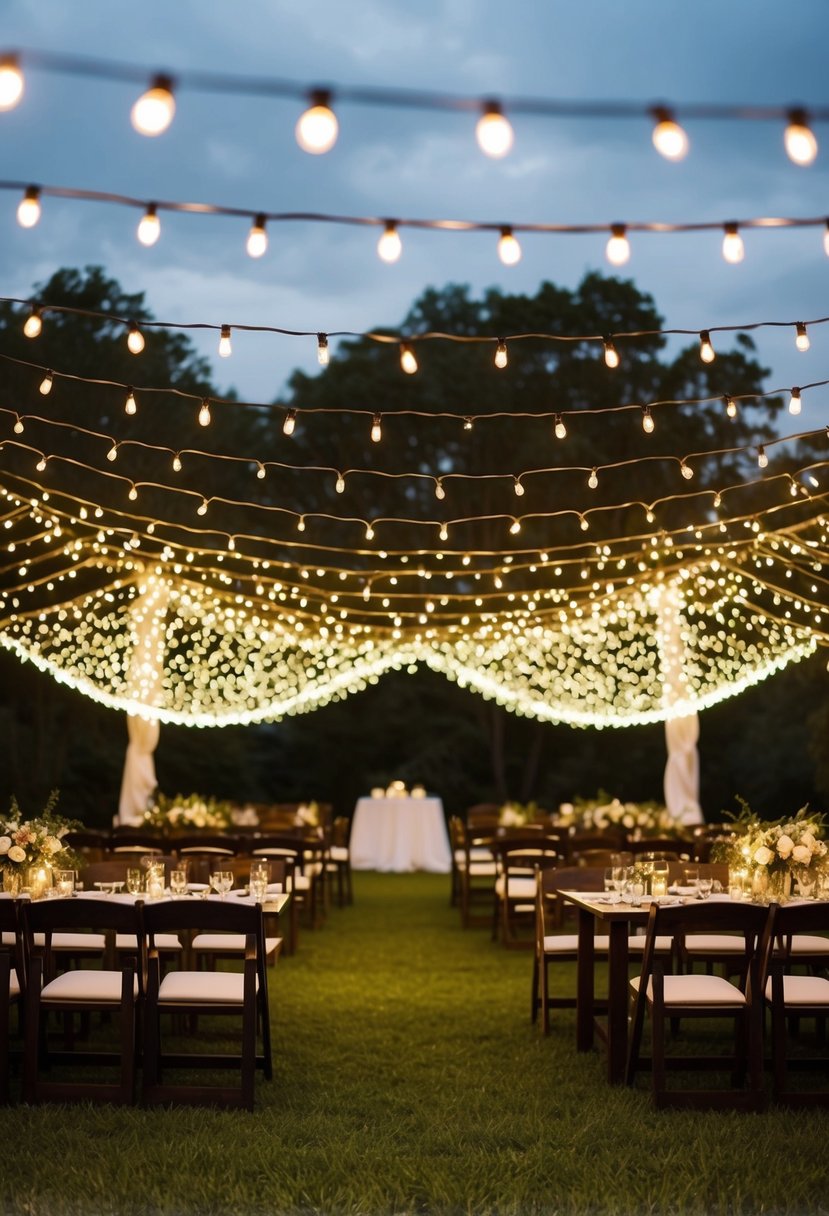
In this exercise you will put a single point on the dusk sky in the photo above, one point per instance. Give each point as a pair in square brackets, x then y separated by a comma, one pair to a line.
[240, 151]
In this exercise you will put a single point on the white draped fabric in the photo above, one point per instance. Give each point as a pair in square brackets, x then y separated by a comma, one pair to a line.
[139, 780]
[681, 782]
[145, 673]
[400, 834]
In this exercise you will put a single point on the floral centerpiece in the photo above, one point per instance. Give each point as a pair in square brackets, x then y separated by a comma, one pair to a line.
[514, 815]
[194, 811]
[34, 843]
[308, 815]
[773, 852]
[596, 814]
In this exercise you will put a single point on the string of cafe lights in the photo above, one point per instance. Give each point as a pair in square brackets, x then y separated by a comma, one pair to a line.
[390, 243]
[317, 127]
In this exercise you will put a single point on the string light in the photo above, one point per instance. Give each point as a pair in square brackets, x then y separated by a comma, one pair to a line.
[669, 138]
[41, 464]
[799, 139]
[618, 247]
[518, 487]
[204, 412]
[18, 427]
[583, 524]
[494, 131]
[733, 249]
[467, 424]
[762, 458]
[225, 348]
[376, 429]
[289, 425]
[390, 246]
[339, 484]
[323, 353]
[257, 242]
[33, 325]
[611, 355]
[149, 226]
[593, 479]
[686, 470]
[501, 353]
[177, 463]
[647, 420]
[731, 407]
[706, 350]
[28, 210]
[300, 524]
[795, 403]
[440, 492]
[112, 454]
[45, 386]
[515, 527]
[801, 337]
[202, 507]
[509, 250]
[11, 82]
[133, 493]
[369, 532]
[130, 406]
[317, 128]
[443, 532]
[135, 339]
[408, 362]
[154, 110]
[261, 471]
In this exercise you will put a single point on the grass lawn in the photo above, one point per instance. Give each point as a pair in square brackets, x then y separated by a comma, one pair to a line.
[408, 1079]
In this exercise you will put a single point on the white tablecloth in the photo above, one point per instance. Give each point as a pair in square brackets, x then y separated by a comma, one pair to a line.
[400, 834]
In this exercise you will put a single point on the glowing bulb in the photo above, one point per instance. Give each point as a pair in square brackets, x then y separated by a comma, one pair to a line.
[762, 458]
[509, 251]
[289, 425]
[18, 427]
[367, 592]
[669, 138]
[317, 128]
[28, 210]
[717, 500]
[444, 532]
[322, 350]
[133, 494]
[376, 429]
[649, 515]
[225, 349]
[501, 353]
[494, 131]
[154, 110]
[135, 339]
[202, 508]
[408, 362]
[799, 139]
[618, 247]
[369, 532]
[11, 82]
[583, 524]
[733, 249]
[149, 226]
[686, 470]
[518, 488]
[706, 350]
[467, 424]
[33, 325]
[231, 544]
[390, 246]
[130, 406]
[731, 407]
[515, 527]
[204, 413]
[593, 479]
[339, 484]
[647, 420]
[826, 239]
[46, 384]
[300, 524]
[176, 463]
[802, 338]
[257, 241]
[112, 454]
[560, 429]
[795, 404]
[41, 464]
[261, 471]
[439, 490]
[611, 355]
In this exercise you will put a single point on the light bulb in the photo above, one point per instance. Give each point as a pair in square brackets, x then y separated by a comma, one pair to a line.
[339, 484]
[762, 458]
[593, 479]
[28, 210]
[135, 339]
[18, 427]
[367, 592]
[560, 429]
[176, 463]
[799, 139]
[202, 508]
[618, 247]
[515, 527]
[647, 420]
[11, 82]
[826, 239]
[467, 424]
[300, 524]
[41, 464]
[802, 338]
[289, 425]
[323, 354]
[112, 454]
[439, 490]
[133, 494]
[376, 429]
[317, 128]
[261, 471]
[231, 544]
[583, 524]
[669, 138]
[518, 488]
[149, 226]
[46, 384]
[717, 500]
[795, 404]
[731, 407]
[154, 110]
[649, 515]
[611, 355]
[130, 406]
[706, 350]
[390, 246]
[501, 353]
[257, 241]
[686, 470]
[443, 533]
[225, 349]
[733, 249]
[408, 362]
[204, 413]
[369, 532]
[494, 131]
[509, 251]
[33, 325]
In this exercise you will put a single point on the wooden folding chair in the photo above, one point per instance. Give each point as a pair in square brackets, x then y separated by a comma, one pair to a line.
[11, 983]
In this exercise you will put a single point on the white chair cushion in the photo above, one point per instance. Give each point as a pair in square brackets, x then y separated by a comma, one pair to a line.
[803, 990]
[636, 943]
[86, 986]
[338, 852]
[214, 849]
[93, 942]
[715, 943]
[228, 943]
[163, 941]
[568, 943]
[202, 988]
[699, 990]
[300, 882]
[519, 888]
[14, 985]
[482, 869]
[809, 943]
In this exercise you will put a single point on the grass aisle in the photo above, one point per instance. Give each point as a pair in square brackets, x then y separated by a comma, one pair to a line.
[408, 1079]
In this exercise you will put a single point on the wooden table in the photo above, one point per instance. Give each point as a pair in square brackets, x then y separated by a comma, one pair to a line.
[618, 918]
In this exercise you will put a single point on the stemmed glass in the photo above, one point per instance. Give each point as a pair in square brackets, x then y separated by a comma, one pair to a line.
[178, 882]
[705, 885]
[222, 881]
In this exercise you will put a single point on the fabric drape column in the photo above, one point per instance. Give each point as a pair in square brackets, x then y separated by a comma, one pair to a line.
[145, 679]
[681, 780]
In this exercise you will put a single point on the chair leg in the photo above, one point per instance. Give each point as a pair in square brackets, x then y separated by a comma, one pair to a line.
[32, 1032]
[658, 1054]
[534, 1003]
[5, 973]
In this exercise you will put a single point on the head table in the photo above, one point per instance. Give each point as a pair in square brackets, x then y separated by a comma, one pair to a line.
[400, 834]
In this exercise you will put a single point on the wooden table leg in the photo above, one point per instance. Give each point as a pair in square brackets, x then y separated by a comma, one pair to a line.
[585, 983]
[617, 1002]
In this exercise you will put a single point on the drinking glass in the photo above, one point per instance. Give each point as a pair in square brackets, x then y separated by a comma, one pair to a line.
[135, 878]
[222, 881]
[806, 882]
[65, 882]
[705, 885]
[259, 887]
[690, 878]
[608, 879]
[178, 882]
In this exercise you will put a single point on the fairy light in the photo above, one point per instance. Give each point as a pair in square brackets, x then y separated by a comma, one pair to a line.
[408, 362]
[154, 110]
[339, 484]
[45, 386]
[440, 492]
[28, 210]
[376, 429]
[801, 340]
[149, 226]
[686, 470]
[717, 501]
[559, 429]
[289, 425]
[202, 507]
[583, 524]
[611, 355]
[204, 413]
[467, 424]
[731, 407]
[795, 403]
[33, 325]
[593, 479]
[261, 471]
[799, 139]
[706, 350]
[225, 348]
[176, 463]
[762, 458]
[509, 250]
[443, 532]
[518, 487]
[133, 492]
[390, 246]
[369, 532]
[501, 353]
[669, 138]
[317, 127]
[618, 247]
[323, 353]
[733, 249]
[647, 420]
[112, 454]
[130, 406]
[515, 527]
[257, 242]
[300, 524]
[135, 339]
[41, 464]
[18, 427]
[494, 131]
[11, 82]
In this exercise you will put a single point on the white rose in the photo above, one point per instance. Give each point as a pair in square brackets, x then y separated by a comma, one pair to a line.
[628, 821]
[5, 844]
[566, 808]
[17, 854]
[763, 856]
[801, 853]
[52, 845]
[784, 846]
[808, 838]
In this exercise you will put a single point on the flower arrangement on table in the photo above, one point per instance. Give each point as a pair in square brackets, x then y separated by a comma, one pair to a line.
[194, 811]
[308, 815]
[596, 814]
[516, 815]
[34, 843]
[772, 852]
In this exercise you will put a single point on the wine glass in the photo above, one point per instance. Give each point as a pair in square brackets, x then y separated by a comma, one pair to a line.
[806, 882]
[222, 881]
[705, 884]
[690, 879]
[178, 882]
[135, 878]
